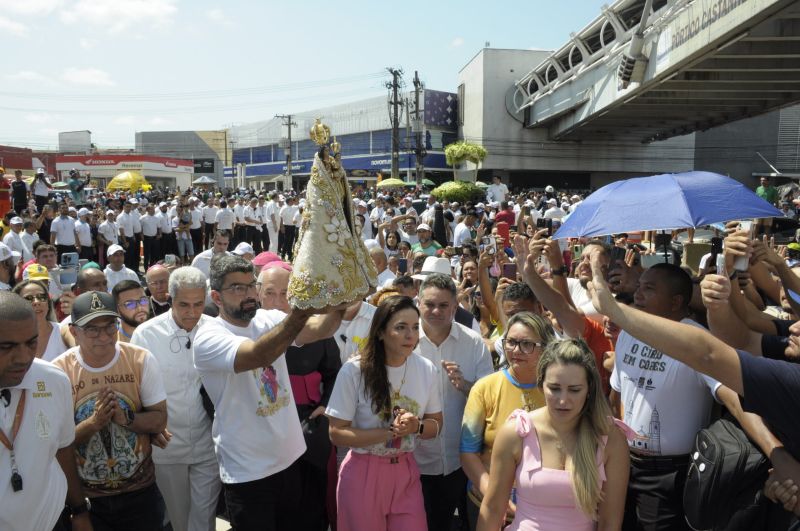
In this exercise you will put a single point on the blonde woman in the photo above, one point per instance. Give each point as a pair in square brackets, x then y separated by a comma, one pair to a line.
[568, 461]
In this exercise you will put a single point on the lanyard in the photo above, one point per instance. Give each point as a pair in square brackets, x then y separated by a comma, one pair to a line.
[16, 479]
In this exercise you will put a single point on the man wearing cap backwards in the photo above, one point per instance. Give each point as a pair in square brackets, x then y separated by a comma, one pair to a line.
[461, 359]
[257, 434]
[219, 245]
[20, 191]
[43, 474]
[187, 472]
[426, 243]
[62, 233]
[14, 240]
[118, 401]
[116, 271]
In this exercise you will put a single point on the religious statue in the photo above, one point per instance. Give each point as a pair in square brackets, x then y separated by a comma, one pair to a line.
[331, 268]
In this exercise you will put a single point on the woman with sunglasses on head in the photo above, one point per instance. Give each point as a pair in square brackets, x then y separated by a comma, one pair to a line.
[493, 398]
[51, 341]
[383, 400]
[568, 461]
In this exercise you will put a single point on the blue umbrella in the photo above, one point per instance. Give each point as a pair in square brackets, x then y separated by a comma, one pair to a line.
[664, 202]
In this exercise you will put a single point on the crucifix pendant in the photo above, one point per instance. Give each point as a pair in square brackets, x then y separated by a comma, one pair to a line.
[16, 482]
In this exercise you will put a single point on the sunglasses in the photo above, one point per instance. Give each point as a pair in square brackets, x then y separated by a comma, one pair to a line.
[131, 305]
[39, 297]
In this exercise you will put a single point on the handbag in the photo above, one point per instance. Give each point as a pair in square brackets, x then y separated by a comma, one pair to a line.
[725, 480]
[315, 433]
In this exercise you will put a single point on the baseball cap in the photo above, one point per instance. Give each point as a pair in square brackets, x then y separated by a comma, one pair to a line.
[162, 204]
[72, 209]
[90, 265]
[552, 201]
[423, 226]
[114, 249]
[16, 220]
[35, 272]
[6, 253]
[90, 305]
[83, 212]
[549, 189]
[433, 264]
[243, 249]
[109, 211]
[40, 171]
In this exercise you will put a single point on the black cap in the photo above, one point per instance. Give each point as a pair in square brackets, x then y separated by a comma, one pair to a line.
[91, 305]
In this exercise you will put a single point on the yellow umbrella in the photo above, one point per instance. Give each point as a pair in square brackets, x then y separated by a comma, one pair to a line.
[391, 183]
[130, 181]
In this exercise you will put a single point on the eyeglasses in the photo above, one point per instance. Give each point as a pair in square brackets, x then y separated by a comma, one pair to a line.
[157, 282]
[241, 290]
[39, 297]
[525, 346]
[93, 332]
[131, 305]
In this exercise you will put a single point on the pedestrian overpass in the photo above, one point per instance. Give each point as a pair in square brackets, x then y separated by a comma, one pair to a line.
[647, 70]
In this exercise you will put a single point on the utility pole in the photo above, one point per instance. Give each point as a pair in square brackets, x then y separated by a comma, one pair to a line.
[395, 103]
[419, 149]
[289, 124]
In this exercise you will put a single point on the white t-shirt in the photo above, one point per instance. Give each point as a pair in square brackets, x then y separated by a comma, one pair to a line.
[497, 192]
[224, 219]
[197, 218]
[290, 215]
[40, 188]
[47, 426]
[14, 241]
[419, 392]
[210, 214]
[164, 222]
[109, 231]
[582, 300]
[125, 223]
[84, 231]
[115, 277]
[64, 229]
[271, 210]
[256, 430]
[150, 225]
[554, 213]
[665, 401]
[352, 335]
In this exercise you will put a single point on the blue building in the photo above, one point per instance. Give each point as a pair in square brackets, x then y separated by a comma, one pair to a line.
[363, 129]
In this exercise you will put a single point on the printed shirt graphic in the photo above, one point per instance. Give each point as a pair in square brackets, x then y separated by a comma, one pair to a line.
[665, 401]
[115, 459]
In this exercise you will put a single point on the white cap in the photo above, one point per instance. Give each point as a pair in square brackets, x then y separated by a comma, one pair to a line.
[83, 212]
[72, 209]
[433, 264]
[6, 253]
[109, 211]
[423, 226]
[549, 189]
[162, 204]
[133, 201]
[16, 220]
[243, 249]
[114, 249]
[552, 201]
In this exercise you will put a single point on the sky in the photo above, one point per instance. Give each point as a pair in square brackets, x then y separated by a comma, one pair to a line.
[116, 67]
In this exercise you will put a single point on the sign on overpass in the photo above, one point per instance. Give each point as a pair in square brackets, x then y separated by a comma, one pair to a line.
[644, 74]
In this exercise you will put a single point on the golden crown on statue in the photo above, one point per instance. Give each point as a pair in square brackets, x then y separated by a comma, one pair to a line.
[336, 147]
[320, 133]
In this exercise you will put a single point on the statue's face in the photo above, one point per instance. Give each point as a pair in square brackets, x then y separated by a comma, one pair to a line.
[326, 155]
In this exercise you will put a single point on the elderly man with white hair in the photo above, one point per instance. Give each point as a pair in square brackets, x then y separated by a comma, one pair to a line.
[187, 473]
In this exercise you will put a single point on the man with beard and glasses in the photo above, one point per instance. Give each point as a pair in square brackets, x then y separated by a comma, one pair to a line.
[133, 306]
[187, 473]
[256, 431]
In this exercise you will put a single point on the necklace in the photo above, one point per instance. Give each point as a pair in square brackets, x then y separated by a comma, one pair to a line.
[396, 393]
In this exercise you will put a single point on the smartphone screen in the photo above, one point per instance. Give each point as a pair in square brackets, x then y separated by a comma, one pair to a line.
[510, 271]
[402, 265]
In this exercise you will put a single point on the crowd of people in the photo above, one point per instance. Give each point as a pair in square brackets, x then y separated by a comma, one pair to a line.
[153, 372]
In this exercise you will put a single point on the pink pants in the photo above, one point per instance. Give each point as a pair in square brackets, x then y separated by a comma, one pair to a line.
[380, 494]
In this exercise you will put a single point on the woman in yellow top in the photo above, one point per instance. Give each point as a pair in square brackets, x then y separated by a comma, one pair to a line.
[493, 398]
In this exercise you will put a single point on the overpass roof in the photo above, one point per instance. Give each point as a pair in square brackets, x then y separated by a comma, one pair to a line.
[647, 70]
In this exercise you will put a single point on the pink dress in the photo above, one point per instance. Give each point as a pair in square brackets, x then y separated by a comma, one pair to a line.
[545, 501]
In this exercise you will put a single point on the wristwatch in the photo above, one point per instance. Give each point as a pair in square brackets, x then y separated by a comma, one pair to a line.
[129, 414]
[80, 509]
[561, 271]
[421, 427]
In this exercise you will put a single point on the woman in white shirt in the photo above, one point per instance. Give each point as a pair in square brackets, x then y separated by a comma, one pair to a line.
[382, 402]
[51, 341]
